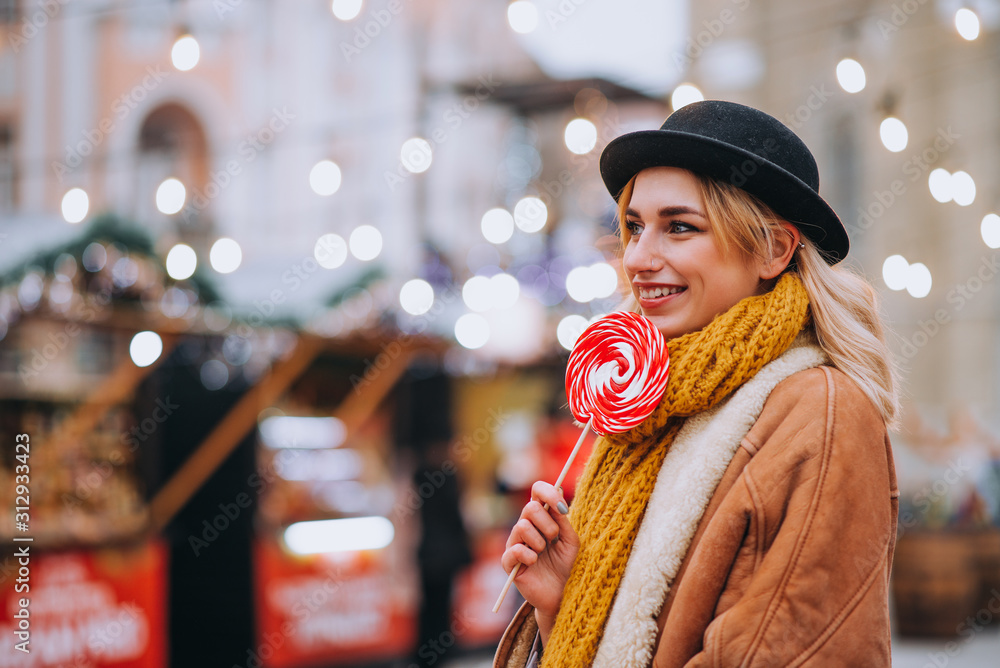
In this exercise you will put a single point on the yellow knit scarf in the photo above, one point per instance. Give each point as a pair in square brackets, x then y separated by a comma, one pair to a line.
[611, 497]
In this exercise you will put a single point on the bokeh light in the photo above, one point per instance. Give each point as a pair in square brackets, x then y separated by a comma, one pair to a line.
[505, 290]
[181, 262]
[185, 53]
[963, 188]
[851, 75]
[497, 225]
[918, 280]
[893, 134]
[472, 331]
[145, 348]
[580, 136]
[349, 534]
[214, 375]
[345, 10]
[365, 242]
[95, 256]
[170, 196]
[684, 95]
[330, 251]
[325, 178]
[416, 296]
[596, 281]
[990, 230]
[939, 183]
[569, 330]
[416, 155]
[894, 272]
[225, 256]
[530, 214]
[967, 23]
[477, 293]
[522, 15]
[125, 272]
[75, 205]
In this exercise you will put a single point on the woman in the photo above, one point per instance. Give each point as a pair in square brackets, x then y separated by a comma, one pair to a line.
[751, 519]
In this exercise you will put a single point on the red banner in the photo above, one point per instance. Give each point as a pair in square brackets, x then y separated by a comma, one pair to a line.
[88, 609]
[317, 609]
[476, 591]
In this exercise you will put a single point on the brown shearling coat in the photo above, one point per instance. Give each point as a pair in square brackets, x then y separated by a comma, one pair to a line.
[790, 563]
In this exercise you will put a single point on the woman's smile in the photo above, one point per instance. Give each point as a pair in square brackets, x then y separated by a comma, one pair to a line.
[653, 295]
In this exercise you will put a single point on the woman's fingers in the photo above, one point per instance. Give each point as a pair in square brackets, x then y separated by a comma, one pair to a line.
[528, 534]
[546, 493]
[538, 527]
[541, 519]
[518, 554]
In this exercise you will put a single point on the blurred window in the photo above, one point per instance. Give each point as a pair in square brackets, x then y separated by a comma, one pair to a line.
[845, 177]
[8, 180]
[9, 11]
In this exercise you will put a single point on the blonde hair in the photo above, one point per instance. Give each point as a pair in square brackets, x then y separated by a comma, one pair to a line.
[844, 305]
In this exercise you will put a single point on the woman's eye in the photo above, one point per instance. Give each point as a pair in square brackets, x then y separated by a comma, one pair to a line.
[678, 226]
[633, 227]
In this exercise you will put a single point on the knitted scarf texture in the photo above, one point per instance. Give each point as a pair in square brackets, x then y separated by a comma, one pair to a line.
[614, 489]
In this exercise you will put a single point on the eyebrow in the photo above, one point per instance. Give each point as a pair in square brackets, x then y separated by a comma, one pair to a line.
[668, 211]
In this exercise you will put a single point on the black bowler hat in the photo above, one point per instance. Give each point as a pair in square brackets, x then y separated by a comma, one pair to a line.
[742, 146]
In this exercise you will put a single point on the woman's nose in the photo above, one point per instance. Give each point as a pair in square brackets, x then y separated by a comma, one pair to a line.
[642, 257]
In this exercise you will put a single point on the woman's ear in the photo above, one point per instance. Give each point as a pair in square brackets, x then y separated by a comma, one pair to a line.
[786, 242]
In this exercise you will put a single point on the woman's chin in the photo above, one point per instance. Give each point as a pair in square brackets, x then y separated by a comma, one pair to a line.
[668, 326]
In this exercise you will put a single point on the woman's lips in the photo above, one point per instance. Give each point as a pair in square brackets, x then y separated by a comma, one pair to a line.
[654, 302]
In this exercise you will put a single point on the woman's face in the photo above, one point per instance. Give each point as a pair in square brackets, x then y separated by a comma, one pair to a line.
[673, 261]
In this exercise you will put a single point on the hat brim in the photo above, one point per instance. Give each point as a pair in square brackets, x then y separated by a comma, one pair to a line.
[785, 193]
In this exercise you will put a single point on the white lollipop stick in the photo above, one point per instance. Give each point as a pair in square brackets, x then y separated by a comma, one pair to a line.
[559, 482]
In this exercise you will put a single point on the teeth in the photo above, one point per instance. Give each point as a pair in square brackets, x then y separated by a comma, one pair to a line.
[653, 293]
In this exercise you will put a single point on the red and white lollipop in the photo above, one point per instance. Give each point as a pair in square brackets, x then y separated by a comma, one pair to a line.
[617, 372]
[615, 378]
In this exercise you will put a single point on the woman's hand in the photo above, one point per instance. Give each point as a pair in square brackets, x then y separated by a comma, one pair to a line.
[545, 544]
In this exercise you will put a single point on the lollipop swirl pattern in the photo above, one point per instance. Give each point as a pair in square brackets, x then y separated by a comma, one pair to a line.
[617, 372]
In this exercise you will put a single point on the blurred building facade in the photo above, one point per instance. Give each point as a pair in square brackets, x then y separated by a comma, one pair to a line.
[782, 57]
[92, 100]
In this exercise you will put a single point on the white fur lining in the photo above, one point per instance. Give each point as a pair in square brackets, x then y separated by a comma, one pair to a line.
[691, 471]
